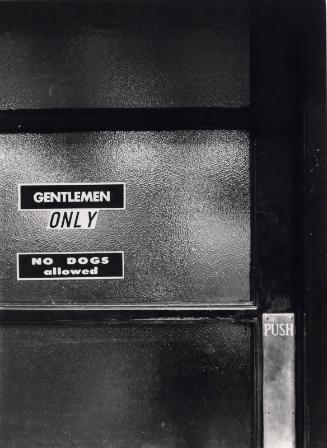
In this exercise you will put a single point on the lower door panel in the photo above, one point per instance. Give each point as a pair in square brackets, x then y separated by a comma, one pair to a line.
[154, 384]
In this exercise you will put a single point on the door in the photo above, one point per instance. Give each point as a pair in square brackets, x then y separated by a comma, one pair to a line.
[152, 289]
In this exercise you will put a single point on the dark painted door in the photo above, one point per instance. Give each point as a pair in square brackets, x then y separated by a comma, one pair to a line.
[194, 108]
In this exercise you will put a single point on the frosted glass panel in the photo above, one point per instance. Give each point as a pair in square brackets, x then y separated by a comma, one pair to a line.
[130, 53]
[185, 232]
[163, 385]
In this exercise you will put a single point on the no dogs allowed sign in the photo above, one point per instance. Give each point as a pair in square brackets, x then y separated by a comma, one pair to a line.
[70, 266]
[72, 207]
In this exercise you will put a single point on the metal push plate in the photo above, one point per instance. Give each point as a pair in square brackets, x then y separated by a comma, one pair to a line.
[278, 380]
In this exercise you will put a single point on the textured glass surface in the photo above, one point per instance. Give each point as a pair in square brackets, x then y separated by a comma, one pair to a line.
[185, 231]
[124, 53]
[159, 385]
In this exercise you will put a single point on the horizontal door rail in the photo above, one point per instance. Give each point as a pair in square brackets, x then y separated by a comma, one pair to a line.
[104, 315]
[66, 120]
[75, 120]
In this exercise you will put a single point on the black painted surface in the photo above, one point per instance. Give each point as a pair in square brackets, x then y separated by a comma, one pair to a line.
[277, 105]
[185, 231]
[162, 385]
[124, 54]
[133, 119]
[316, 226]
